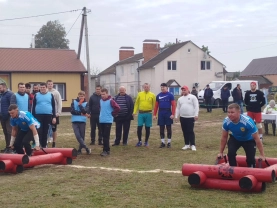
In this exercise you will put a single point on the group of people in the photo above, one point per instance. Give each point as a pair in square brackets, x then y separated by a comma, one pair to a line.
[27, 116]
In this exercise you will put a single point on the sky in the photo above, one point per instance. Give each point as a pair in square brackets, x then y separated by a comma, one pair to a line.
[235, 31]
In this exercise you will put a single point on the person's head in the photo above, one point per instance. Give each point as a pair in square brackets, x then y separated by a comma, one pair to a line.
[272, 103]
[21, 87]
[28, 88]
[164, 87]
[234, 112]
[146, 87]
[13, 110]
[43, 87]
[122, 90]
[35, 88]
[50, 84]
[207, 86]
[3, 87]
[185, 90]
[98, 90]
[253, 86]
[104, 93]
[238, 86]
[225, 87]
[193, 88]
[81, 95]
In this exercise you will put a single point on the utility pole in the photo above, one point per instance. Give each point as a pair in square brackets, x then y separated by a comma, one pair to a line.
[84, 25]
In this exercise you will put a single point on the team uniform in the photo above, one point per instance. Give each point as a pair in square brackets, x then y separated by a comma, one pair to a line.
[24, 135]
[241, 136]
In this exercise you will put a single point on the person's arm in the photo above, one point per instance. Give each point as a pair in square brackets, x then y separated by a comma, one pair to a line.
[53, 106]
[262, 99]
[13, 135]
[196, 108]
[154, 101]
[34, 105]
[59, 103]
[73, 111]
[13, 99]
[115, 107]
[136, 105]
[177, 113]
[173, 107]
[259, 144]
[223, 142]
[265, 109]
[246, 98]
[35, 134]
[156, 108]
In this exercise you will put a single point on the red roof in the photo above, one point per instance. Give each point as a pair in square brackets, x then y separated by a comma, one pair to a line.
[39, 60]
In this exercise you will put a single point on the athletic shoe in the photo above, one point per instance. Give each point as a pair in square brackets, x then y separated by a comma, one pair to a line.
[168, 145]
[53, 144]
[146, 144]
[79, 152]
[186, 147]
[193, 148]
[105, 153]
[162, 145]
[9, 151]
[115, 144]
[88, 151]
[92, 143]
[139, 144]
[100, 143]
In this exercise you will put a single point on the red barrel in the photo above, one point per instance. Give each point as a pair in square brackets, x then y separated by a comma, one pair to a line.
[248, 182]
[6, 165]
[17, 159]
[67, 152]
[54, 158]
[197, 178]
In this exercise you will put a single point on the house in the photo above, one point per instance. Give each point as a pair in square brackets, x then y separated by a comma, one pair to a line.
[263, 70]
[36, 65]
[177, 65]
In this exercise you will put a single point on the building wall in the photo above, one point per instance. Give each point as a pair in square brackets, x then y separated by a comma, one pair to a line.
[272, 78]
[72, 82]
[188, 69]
[108, 81]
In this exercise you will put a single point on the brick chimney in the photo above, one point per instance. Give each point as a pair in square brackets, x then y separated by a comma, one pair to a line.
[151, 48]
[126, 52]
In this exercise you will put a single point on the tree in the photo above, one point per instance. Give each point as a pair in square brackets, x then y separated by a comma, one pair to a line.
[236, 75]
[51, 35]
[169, 44]
[206, 48]
[94, 70]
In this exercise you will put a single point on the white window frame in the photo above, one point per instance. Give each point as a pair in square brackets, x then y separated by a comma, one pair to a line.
[171, 66]
[206, 64]
[61, 87]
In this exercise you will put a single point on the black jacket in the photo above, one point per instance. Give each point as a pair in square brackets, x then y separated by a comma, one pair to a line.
[237, 94]
[225, 94]
[94, 104]
[208, 93]
[130, 106]
[254, 101]
[83, 110]
[5, 103]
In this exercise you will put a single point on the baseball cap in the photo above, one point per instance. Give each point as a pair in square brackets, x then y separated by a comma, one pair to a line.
[163, 85]
[254, 83]
[185, 87]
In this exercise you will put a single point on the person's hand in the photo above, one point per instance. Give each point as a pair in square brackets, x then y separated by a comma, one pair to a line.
[155, 117]
[134, 114]
[37, 148]
[171, 117]
[88, 115]
[196, 118]
[220, 155]
[83, 114]
[262, 158]
[11, 147]
[54, 121]
[57, 115]
[81, 101]
[176, 120]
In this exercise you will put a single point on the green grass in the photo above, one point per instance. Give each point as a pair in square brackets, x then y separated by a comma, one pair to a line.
[66, 186]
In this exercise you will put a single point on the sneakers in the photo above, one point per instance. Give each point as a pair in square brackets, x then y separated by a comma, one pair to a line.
[162, 145]
[100, 143]
[88, 151]
[193, 148]
[146, 144]
[139, 144]
[105, 153]
[53, 144]
[79, 152]
[115, 144]
[92, 143]
[186, 147]
[169, 145]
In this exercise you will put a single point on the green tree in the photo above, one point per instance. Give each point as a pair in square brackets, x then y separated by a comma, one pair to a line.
[169, 44]
[206, 48]
[51, 35]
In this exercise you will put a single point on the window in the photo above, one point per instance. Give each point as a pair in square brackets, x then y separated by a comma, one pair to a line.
[189, 50]
[205, 65]
[61, 88]
[174, 90]
[132, 69]
[172, 65]
[122, 70]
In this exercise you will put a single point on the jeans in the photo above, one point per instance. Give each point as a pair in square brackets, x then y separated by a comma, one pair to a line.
[125, 124]
[79, 129]
[224, 105]
[208, 102]
[23, 139]
[187, 125]
[106, 130]
[240, 103]
[94, 121]
[44, 121]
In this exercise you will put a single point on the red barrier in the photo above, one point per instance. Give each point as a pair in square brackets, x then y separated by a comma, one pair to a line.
[229, 172]
[230, 185]
[197, 178]
[248, 182]
[67, 152]
[54, 158]
[17, 159]
[6, 165]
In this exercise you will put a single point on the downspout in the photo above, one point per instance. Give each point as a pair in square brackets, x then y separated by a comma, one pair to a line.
[138, 76]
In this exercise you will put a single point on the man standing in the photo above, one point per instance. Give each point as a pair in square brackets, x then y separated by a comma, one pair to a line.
[21, 98]
[208, 94]
[244, 134]
[58, 108]
[237, 96]
[194, 92]
[24, 130]
[187, 109]
[225, 94]
[44, 111]
[254, 100]
[144, 104]
[109, 109]
[31, 96]
[94, 109]
[124, 117]
[4, 114]
[165, 103]
[35, 89]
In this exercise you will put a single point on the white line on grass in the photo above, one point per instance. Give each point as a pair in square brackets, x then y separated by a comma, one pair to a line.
[124, 170]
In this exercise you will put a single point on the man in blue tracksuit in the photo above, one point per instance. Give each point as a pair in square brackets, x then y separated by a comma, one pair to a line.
[225, 94]
[44, 112]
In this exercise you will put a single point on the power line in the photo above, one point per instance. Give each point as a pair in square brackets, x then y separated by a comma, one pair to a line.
[74, 23]
[1, 20]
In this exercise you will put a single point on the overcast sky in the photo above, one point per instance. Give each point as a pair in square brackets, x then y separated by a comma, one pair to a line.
[235, 31]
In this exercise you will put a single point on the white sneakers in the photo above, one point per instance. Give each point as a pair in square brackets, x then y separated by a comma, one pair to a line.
[192, 147]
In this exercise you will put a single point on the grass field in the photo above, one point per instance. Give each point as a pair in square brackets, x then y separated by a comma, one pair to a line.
[95, 181]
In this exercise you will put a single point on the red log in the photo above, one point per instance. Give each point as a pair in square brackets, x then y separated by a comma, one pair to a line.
[197, 178]
[15, 169]
[229, 172]
[248, 182]
[17, 159]
[67, 152]
[54, 158]
[6, 165]
[230, 185]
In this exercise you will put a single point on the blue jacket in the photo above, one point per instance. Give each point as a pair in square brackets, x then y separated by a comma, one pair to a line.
[225, 94]
[5, 103]
[130, 106]
[208, 93]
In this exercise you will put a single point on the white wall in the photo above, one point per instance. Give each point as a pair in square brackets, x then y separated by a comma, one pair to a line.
[108, 81]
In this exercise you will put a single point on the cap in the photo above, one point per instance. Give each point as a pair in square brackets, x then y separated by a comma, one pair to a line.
[185, 87]
[254, 83]
[163, 85]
